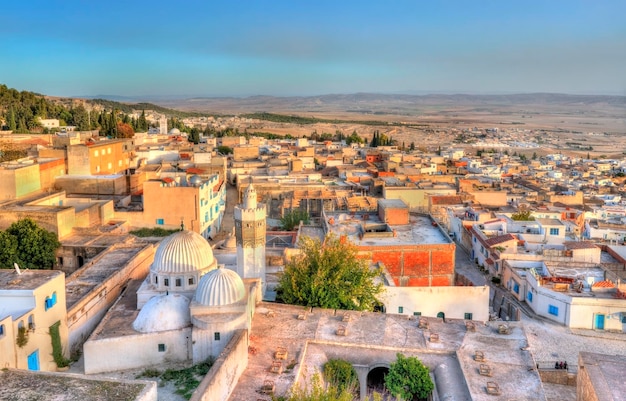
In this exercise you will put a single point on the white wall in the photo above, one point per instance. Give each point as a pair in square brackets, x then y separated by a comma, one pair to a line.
[453, 301]
[136, 351]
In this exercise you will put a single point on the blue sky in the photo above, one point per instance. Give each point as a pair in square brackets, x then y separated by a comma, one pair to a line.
[288, 48]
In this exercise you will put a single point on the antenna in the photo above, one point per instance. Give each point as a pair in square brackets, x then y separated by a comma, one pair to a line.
[17, 268]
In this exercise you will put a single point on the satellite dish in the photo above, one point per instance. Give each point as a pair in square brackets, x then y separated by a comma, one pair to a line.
[17, 268]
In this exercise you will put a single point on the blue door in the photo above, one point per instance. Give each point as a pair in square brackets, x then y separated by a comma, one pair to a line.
[33, 361]
[599, 322]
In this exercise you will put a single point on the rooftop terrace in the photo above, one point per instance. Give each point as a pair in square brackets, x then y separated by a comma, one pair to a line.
[366, 229]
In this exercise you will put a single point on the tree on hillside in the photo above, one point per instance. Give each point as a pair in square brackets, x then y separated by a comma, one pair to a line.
[408, 379]
[292, 219]
[124, 130]
[8, 250]
[329, 275]
[36, 247]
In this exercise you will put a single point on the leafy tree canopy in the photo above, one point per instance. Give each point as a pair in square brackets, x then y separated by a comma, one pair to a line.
[225, 150]
[28, 245]
[523, 215]
[292, 219]
[408, 379]
[329, 275]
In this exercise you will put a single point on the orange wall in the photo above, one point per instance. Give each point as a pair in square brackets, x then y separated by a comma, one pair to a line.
[424, 265]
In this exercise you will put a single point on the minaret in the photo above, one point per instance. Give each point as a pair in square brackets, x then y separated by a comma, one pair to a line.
[250, 234]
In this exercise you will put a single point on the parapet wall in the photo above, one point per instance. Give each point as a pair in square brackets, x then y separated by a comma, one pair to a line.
[221, 380]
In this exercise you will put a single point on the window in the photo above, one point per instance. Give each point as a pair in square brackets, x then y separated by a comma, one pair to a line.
[553, 310]
[179, 282]
[400, 309]
[31, 322]
[554, 231]
[160, 221]
[50, 301]
[516, 288]
[166, 282]
[529, 296]
[109, 166]
[108, 150]
[156, 279]
[417, 313]
[1, 330]
[191, 280]
[161, 347]
[95, 153]
[216, 336]
[474, 239]
[468, 316]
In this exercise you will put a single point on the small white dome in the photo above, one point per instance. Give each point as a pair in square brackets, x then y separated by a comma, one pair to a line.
[174, 131]
[162, 313]
[220, 287]
[195, 180]
[183, 252]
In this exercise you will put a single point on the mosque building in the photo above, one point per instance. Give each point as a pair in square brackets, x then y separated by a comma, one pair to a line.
[188, 307]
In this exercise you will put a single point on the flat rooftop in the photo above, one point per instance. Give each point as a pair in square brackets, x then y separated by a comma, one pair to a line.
[373, 339]
[366, 229]
[27, 280]
[25, 385]
[606, 373]
[94, 273]
[119, 319]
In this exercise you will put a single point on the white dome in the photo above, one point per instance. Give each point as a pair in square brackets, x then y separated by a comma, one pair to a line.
[162, 313]
[183, 252]
[174, 131]
[220, 287]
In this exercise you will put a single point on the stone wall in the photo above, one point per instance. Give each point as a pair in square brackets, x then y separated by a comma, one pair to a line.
[221, 380]
[558, 376]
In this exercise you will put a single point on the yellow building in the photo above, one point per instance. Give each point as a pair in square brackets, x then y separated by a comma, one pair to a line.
[32, 310]
[198, 204]
[102, 157]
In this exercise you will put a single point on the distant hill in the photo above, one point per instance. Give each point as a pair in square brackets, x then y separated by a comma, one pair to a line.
[371, 103]
[21, 110]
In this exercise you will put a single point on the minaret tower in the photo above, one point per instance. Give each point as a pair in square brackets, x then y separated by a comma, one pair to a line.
[250, 234]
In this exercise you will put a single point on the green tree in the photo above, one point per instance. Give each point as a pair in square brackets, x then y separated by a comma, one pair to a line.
[292, 219]
[225, 150]
[36, 247]
[8, 250]
[341, 374]
[412, 146]
[142, 123]
[11, 120]
[329, 275]
[523, 215]
[408, 379]
[534, 155]
[354, 138]
[194, 135]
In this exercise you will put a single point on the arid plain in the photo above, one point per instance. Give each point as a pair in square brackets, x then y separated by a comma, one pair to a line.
[573, 124]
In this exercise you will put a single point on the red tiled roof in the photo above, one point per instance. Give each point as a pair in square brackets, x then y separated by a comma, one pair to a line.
[603, 284]
[489, 261]
[499, 239]
[579, 245]
[446, 200]
[168, 180]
